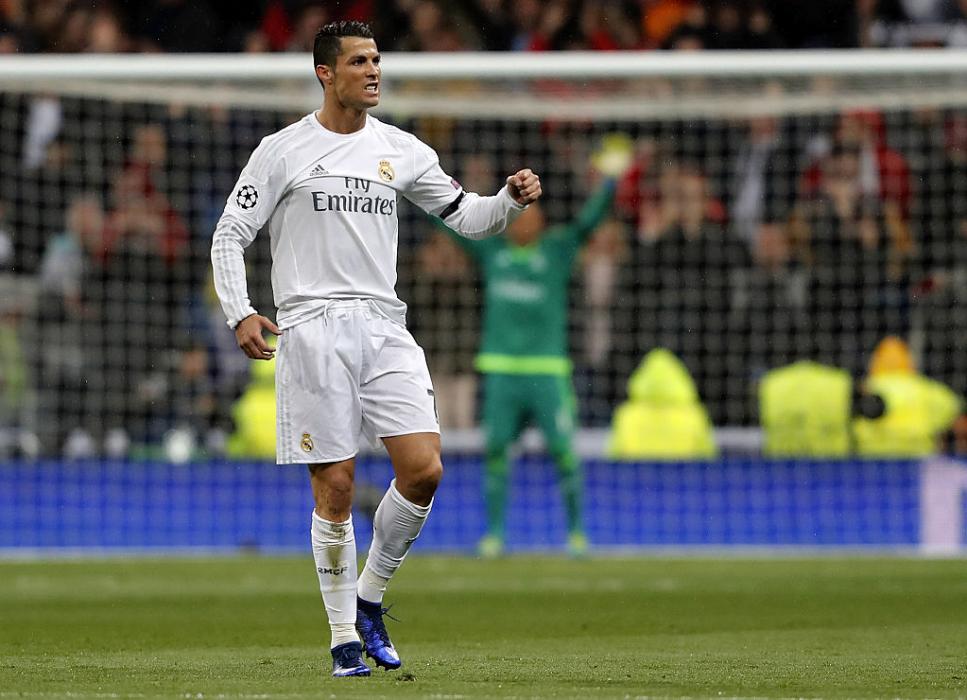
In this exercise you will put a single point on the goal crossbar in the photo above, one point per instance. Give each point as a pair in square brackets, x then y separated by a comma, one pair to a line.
[492, 65]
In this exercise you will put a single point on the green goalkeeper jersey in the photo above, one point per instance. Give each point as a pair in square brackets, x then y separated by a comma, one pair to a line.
[526, 293]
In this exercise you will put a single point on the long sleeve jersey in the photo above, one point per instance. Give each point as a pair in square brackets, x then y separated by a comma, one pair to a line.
[526, 299]
[329, 202]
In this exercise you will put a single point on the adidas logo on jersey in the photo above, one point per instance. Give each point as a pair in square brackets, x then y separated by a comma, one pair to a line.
[318, 171]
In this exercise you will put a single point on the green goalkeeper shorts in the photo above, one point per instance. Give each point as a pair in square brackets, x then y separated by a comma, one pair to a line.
[512, 401]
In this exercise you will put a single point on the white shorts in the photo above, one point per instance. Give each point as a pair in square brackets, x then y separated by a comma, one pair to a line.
[345, 374]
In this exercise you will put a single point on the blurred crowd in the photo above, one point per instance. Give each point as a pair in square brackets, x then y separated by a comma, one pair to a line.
[739, 245]
[71, 26]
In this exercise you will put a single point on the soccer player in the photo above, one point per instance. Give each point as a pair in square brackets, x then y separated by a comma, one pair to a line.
[524, 359]
[327, 189]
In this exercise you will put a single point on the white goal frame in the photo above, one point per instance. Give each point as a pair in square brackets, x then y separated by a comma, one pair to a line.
[202, 79]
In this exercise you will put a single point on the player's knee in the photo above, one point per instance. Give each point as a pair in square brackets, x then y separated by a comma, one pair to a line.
[496, 453]
[429, 478]
[334, 495]
[420, 485]
[564, 458]
[340, 488]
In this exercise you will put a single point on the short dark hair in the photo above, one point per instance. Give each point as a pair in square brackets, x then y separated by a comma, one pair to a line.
[327, 43]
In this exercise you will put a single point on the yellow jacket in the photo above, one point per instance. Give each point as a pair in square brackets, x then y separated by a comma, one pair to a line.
[805, 411]
[254, 414]
[918, 411]
[663, 417]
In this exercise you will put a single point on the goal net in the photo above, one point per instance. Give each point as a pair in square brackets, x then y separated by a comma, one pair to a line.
[779, 207]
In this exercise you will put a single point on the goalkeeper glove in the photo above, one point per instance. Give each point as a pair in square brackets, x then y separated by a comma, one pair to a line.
[614, 156]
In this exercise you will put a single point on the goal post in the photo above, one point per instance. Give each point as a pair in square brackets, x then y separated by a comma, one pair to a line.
[113, 170]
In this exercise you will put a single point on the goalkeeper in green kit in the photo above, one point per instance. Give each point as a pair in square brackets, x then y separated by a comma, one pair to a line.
[523, 358]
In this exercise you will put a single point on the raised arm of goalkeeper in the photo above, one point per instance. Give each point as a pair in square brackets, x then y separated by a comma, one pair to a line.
[612, 159]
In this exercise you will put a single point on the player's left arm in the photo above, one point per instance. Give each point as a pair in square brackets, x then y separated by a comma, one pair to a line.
[524, 187]
[474, 216]
[467, 245]
[468, 213]
[612, 159]
[594, 211]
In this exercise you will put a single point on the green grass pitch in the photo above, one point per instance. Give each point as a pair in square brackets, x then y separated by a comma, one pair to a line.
[524, 627]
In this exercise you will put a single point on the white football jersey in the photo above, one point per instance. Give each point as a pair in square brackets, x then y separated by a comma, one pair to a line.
[330, 203]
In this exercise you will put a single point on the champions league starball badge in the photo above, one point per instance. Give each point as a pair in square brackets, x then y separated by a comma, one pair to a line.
[246, 197]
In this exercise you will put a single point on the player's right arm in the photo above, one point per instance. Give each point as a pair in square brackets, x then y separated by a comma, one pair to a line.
[249, 206]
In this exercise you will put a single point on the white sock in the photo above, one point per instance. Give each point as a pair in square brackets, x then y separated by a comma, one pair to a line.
[396, 525]
[334, 549]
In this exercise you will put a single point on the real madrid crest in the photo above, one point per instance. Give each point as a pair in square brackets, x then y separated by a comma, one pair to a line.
[306, 442]
[386, 171]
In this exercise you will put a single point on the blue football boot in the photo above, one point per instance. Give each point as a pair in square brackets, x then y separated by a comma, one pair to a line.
[369, 624]
[347, 660]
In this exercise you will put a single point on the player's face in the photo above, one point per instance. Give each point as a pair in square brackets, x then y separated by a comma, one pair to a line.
[527, 227]
[356, 74]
